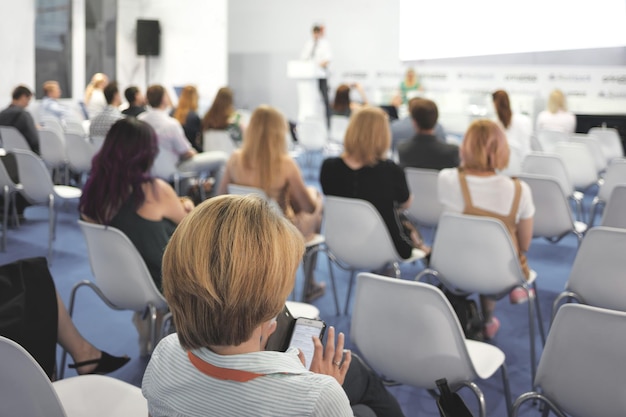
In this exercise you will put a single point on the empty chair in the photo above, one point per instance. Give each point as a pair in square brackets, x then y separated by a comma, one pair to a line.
[312, 139]
[9, 188]
[552, 165]
[613, 215]
[13, 139]
[579, 163]
[425, 207]
[37, 187]
[357, 239]
[409, 332]
[615, 175]
[597, 275]
[218, 140]
[475, 254]
[594, 148]
[52, 148]
[76, 127]
[122, 279]
[27, 391]
[548, 139]
[80, 152]
[610, 142]
[581, 372]
[553, 218]
[338, 127]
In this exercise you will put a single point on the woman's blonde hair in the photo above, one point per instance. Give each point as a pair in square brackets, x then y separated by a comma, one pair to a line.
[188, 101]
[229, 267]
[264, 144]
[368, 136]
[484, 147]
[98, 80]
[556, 101]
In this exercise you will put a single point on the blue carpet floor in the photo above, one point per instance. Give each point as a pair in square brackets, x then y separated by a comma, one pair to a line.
[113, 331]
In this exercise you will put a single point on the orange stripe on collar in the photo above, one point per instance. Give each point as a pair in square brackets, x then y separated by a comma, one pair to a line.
[225, 374]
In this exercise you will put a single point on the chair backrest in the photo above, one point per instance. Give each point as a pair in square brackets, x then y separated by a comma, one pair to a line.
[549, 138]
[597, 275]
[76, 127]
[34, 176]
[593, 147]
[25, 389]
[80, 152]
[615, 175]
[164, 165]
[312, 134]
[356, 233]
[610, 142]
[579, 163]
[582, 366]
[475, 254]
[52, 147]
[338, 127]
[53, 123]
[408, 331]
[535, 146]
[13, 139]
[425, 207]
[119, 270]
[553, 216]
[217, 140]
[615, 208]
[5, 179]
[551, 165]
[97, 142]
[245, 190]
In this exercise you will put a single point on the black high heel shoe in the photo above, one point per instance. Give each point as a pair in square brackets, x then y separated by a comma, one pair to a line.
[106, 364]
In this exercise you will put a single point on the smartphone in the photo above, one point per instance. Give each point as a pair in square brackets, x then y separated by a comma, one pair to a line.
[302, 337]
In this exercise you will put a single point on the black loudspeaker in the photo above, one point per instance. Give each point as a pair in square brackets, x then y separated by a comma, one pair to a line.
[148, 37]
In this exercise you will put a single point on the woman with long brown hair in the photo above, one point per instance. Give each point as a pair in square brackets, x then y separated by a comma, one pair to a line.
[516, 126]
[223, 116]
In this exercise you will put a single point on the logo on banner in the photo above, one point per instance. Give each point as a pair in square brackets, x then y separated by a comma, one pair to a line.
[617, 79]
[476, 76]
[570, 77]
[612, 94]
[522, 78]
[440, 76]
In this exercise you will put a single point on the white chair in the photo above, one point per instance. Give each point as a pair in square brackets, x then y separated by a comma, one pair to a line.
[164, 167]
[425, 207]
[615, 175]
[357, 239]
[13, 139]
[409, 332]
[597, 275]
[122, 279]
[37, 187]
[52, 148]
[475, 254]
[579, 163]
[594, 149]
[75, 127]
[552, 165]
[9, 188]
[582, 368]
[613, 215]
[97, 142]
[548, 139]
[610, 142]
[80, 152]
[27, 391]
[338, 127]
[218, 140]
[553, 218]
[312, 139]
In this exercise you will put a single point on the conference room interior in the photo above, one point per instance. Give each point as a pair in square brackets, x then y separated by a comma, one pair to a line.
[247, 46]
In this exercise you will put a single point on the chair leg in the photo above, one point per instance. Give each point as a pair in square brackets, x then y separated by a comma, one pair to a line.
[5, 221]
[347, 306]
[479, 396]
[51, 225]
[542, 333]
[531, 328]
[153, 325]
[396, 270]
[536, 396]
[332, 282]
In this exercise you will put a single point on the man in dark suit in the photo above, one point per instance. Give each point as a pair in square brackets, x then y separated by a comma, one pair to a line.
[424, 150]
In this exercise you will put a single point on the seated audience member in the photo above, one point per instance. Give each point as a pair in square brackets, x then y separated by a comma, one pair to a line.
[50, 105]
[17, 116]
[404, 129]
[364, 172]
[41, 320]
[517, 127]
[102, 122]
[556, 117]
[424, 150]
[95, 100]
[187, 115]
[263, 162]
[136, 102]
[225, 290]
[223, 116]
[343, 104]
[476, 188]
[173, 145]
[120, 192]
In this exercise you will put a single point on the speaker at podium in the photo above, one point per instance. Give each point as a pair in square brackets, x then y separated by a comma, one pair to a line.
[310, 103]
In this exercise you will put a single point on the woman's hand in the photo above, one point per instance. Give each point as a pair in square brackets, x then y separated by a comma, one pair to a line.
[187, 204]
[330, 360]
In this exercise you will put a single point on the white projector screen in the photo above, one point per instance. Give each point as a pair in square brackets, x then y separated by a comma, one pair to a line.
[434, 29]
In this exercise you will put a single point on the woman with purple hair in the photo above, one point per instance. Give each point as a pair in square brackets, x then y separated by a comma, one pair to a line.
[121, 193]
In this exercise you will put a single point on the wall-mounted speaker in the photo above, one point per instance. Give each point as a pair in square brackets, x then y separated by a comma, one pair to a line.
[148, 37]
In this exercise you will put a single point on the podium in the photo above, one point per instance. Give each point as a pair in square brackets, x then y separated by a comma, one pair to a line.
[307, 73]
